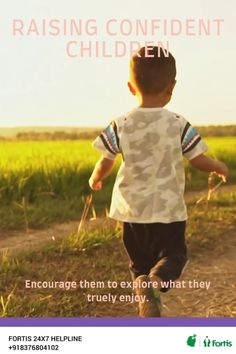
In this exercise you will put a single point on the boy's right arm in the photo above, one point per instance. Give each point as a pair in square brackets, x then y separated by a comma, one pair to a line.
[108, 144]
[101, 170]
[207, 164]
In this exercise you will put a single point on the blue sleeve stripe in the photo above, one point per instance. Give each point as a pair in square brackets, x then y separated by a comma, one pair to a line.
[194, 142]
[185, 131]
[110, 138]
[106, 144]
[190, 138]
[116, 134]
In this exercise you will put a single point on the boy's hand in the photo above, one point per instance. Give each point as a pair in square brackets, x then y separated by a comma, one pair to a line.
[207, 164]
[95, 185]
[222, 170]
[101, 170]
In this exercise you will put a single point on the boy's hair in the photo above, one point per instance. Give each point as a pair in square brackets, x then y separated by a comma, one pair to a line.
[152, 74]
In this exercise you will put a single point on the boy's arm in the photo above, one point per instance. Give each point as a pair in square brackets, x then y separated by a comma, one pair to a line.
[101, 170]
[207, 164]
[193, 148]
[108, 144]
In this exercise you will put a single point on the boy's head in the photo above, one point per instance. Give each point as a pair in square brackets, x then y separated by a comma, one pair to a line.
[152, 76]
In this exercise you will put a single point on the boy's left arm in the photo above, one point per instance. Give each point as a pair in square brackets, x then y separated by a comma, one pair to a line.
[101, 170]
[207, 164]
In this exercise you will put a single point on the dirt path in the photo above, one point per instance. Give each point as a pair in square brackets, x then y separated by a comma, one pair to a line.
[218, 268]
[14, 242]
[214, 266]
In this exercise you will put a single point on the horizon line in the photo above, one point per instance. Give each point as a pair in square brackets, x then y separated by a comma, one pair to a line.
[94, 126]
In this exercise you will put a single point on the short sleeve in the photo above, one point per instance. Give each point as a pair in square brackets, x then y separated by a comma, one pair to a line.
[191, 141]
[108, 141]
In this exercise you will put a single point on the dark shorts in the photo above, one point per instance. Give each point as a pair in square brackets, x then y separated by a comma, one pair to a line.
[156, 249]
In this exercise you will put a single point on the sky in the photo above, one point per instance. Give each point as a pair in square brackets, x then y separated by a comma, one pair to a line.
[41, 85]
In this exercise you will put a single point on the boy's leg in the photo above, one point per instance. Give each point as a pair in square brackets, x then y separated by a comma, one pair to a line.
[137, 238]
[138, 243]
[170, 263]
[157, 250]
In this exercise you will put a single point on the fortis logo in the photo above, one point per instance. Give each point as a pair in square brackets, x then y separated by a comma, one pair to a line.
[207, 342]
[215, 343]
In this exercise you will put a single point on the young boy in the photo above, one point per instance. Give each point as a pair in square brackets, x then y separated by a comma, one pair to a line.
[148, 194]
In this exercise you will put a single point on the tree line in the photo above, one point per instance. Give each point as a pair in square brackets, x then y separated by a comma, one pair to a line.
[205, 131]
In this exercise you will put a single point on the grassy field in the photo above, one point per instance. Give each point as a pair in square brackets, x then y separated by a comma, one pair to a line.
[45, 182]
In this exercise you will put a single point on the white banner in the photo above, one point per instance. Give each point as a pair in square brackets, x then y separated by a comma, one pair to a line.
[117, 340]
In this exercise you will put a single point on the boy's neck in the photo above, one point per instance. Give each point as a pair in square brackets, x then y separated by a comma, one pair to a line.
[149, 101]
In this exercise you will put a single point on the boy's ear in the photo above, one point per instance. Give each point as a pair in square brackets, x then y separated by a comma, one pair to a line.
[171, 87]
[131, 88]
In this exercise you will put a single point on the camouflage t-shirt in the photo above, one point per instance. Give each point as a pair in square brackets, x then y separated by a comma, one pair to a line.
[150, 183]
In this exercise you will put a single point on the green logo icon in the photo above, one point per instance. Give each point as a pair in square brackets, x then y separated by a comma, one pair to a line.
[191, 341]
[207, 342]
